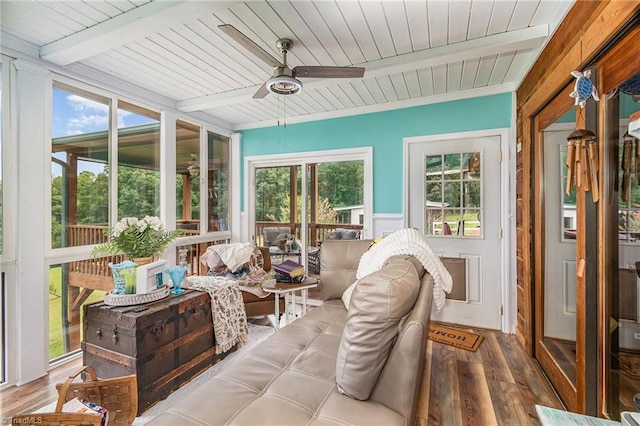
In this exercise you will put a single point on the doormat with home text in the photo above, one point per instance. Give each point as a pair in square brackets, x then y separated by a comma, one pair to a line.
[454, 337]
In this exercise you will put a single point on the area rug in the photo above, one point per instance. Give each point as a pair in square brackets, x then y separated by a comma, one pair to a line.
[454, 337]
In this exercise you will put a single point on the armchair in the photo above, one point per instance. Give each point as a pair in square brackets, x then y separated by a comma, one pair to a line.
[270, 234]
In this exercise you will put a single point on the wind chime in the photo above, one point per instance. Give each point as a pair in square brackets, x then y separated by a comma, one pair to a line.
[630, 164]
[631, 144]
[582, 149]
[582, 162]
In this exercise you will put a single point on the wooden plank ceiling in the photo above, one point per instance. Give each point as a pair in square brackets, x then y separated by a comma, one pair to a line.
[414, 52]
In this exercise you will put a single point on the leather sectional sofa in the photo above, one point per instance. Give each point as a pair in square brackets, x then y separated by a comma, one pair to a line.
[361, 365]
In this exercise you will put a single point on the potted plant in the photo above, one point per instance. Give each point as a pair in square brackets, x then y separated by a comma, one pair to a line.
[139, 239]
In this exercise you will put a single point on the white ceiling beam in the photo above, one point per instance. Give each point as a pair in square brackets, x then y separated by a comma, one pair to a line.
[492, 45]
[511, 41]
[135, 24]
[16, 47]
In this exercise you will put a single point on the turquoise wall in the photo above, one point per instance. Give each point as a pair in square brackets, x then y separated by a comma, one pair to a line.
[627, 105]
[384, 131]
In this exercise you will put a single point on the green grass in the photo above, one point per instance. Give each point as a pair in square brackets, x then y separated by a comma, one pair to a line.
[56, 346]
[471, 223]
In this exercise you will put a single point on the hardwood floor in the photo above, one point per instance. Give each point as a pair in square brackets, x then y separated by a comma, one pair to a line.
[497, 385]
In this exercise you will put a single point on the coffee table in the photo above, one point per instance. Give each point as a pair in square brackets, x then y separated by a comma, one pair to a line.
[289, 292]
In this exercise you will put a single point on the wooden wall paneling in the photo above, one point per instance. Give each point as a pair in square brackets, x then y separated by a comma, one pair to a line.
[524, 328]
[618, 65]
[615, 15]
[566, 37]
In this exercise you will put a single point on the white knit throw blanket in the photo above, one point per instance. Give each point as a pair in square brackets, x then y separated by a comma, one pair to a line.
[227, 310]
[409, 241]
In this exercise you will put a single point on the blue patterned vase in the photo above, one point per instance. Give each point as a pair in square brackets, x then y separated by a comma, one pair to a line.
[177, 275]
[124, 277]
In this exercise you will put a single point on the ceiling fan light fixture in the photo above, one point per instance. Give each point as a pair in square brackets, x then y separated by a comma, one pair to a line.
[284, 85]
[193, 168]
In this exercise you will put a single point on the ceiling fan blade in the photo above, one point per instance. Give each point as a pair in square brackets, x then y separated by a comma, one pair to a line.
[250, 45]
[328, 72]
[262, 92]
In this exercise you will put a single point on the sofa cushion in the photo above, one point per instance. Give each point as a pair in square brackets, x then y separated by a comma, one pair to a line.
[338, 265]
[378, 303]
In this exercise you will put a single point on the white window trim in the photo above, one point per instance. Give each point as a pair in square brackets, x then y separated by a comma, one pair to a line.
[8, 264]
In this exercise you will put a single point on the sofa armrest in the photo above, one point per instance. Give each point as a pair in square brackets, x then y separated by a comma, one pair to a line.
[400, 380]
[339, 261]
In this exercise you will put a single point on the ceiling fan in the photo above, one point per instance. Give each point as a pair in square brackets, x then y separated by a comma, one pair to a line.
[285, 80]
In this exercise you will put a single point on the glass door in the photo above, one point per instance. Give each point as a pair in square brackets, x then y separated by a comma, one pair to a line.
[566, 273]
[622, 236]
[334, 207]
[277, 210]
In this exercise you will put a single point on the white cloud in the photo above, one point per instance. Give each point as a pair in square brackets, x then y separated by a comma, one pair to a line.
[79, 103]
[83, 121]
[92, 114]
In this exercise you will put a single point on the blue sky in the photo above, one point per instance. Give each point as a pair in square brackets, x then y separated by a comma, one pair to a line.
[73, 114]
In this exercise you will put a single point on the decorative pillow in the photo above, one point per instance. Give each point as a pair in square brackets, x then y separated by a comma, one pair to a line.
[349, 234]
[333, 235]
[213, 261]
[378, 302]
[346, 296]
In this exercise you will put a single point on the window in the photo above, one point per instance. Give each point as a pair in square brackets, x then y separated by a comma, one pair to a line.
[81, 164]
[2, 285]
[568, 200]
[628, 175]
[68, 293]
[138, 161]
[453, 184]
[1, 198]
[79, 173]
[187, 177]
[218, 182]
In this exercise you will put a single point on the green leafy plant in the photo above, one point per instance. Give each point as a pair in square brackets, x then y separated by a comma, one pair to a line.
[137, 237]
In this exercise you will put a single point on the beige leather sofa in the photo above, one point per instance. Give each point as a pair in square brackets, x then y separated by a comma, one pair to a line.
[304, 372]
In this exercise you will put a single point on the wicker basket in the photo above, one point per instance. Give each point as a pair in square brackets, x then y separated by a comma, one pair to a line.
[119, 395]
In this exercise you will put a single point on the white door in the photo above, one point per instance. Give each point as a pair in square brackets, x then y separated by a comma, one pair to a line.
[560, 243]
[455, 199]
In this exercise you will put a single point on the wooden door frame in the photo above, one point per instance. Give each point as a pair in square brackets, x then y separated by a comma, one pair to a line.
[578, 396]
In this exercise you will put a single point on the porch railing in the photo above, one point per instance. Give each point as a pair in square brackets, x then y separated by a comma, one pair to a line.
[317, 231]
[95, 274]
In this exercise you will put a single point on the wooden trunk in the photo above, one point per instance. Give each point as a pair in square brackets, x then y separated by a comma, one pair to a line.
[164, 343]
